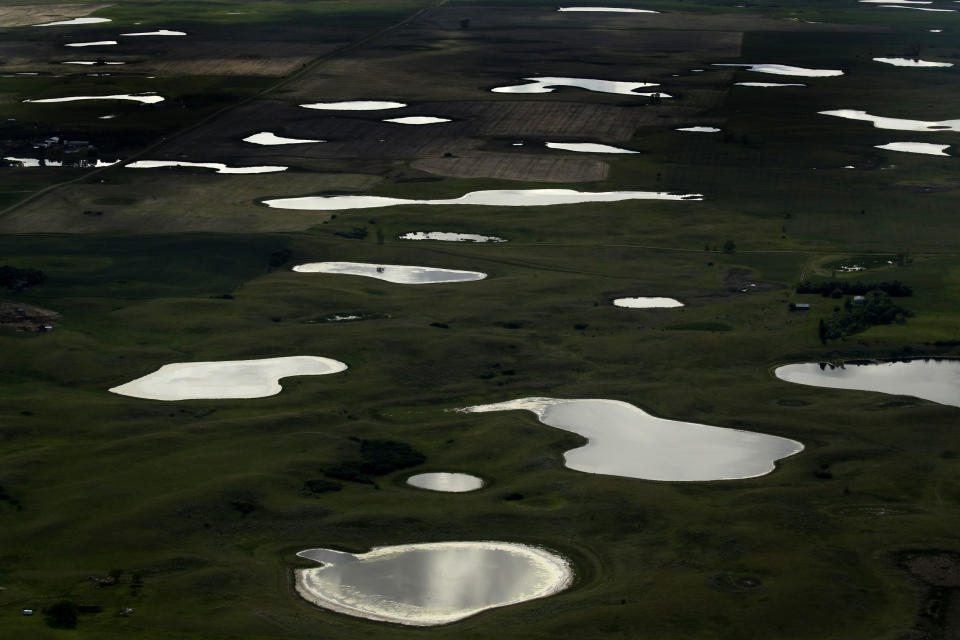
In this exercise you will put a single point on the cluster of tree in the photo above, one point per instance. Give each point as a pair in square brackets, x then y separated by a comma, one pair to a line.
[377, 458]
[840, 288]
[12, 501]
[878, 308]
[17, 279]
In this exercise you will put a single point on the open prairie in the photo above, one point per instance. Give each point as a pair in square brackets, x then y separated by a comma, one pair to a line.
[182, 519]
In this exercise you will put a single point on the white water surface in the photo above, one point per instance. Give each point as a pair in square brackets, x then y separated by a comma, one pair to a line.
[933, 380]
[98, 43]
[89, 62]
[647, 303]
[418, 120]
[605, 9]
[145, 98]
[786, 70]
[446, 482]
[218, 166]
[72, 21]
[768, 84]
[354, 105]
[225, 379]
[550, 84]
[587, 147]
[270, 139]
[926, 148]
[431, 583]
[897, 6]
[396, 273]
[700, 129]
[161, 32]
[912, 62]
[494, 198]
[899, 124]
[623, 440]
[448, 236]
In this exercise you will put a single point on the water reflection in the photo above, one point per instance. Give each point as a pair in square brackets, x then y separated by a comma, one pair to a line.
[625, 441]
[396, 273]
[934, 380]
[431, 584]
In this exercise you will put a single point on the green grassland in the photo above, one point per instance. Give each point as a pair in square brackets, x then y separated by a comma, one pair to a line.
[204, 501]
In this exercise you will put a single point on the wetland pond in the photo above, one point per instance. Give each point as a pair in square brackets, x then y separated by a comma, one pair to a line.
[605, 9]
[72, 21]
[225, 379]
[647, 303]
[899, 124]
[218, 166]
[432, 583]
[354, 105]
[446, 482]
[912, 62]
[623, 440]
[926, 148]
[549, 84]
[587, 147]
[785, 70]
[449, 236]
[396, 273]
[268, 138]
[933, 380]
[145, 98]
[494, 198]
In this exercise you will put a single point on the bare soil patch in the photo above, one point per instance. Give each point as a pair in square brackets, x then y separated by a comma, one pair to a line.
[25, 317]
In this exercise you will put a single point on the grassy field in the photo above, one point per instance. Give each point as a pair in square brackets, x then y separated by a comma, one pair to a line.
[201, 505]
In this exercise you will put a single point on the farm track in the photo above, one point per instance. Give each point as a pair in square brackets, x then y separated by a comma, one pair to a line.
[275, 87]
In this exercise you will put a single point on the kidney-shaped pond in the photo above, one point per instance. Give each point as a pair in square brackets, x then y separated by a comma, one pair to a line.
[396, 273]
[623, 440]
[225, 379]
[446, 482]
[432, 583]
[934, 380]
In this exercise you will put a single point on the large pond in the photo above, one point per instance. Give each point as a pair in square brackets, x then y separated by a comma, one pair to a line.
[449, 236]
[647, 303]
[145, 98]
[269, 139]
[432, 583]
[446, 482]
[218, 166]
[72, 21]
[225, 379]
[926, 148]
[494, 198]
[899, 124]
[98, 43]
[786, 70]
[587, 147]
[354, 105]
[549, 84]
[912, 62]
[934, 380]
[606, 9]
[396, 273]
[625, 441]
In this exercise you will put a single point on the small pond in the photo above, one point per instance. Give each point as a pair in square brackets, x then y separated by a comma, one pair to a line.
[72, 21]
[647, 303]
[89, 62]
[897, 1]
[432, 583]
[786, 70]
[98, 43]
[449, 236]
[145, 98]
[899, 124]
[606, 9]
[354, 105]
[768, 84]
[35, 162]
[218, 166]
[899, 6]
[587, 147]
[549, 84]
[396, 273]
[225, 379]
[161, 32]
[623, 440]
[934, 380]
[912, 62]
[418, 120]
[495, 198]
[927, 148]
[700, 129]
[447, 482]
[270, 139]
